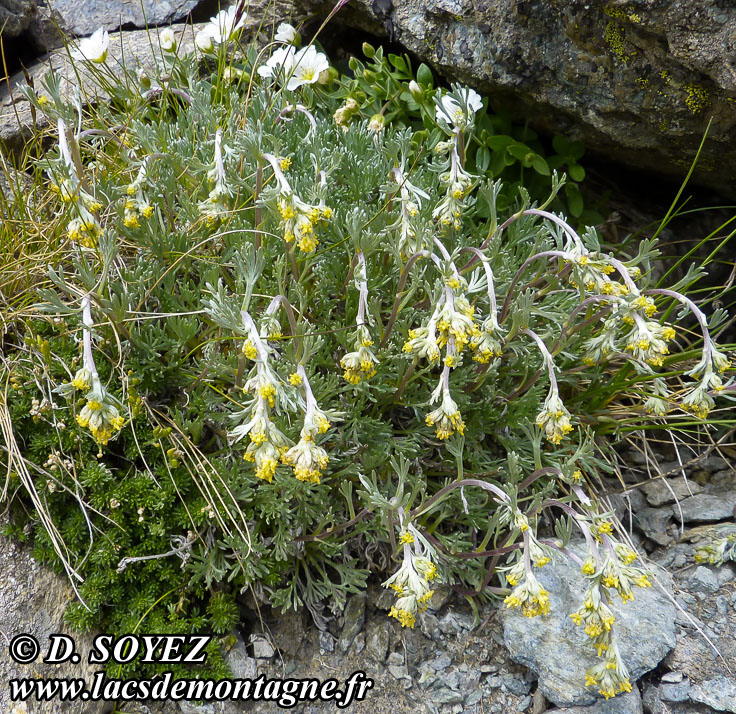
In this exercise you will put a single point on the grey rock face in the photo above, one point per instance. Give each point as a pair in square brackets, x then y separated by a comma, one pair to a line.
[637, 82]
[660, 491]
[718, 693]
[559, 651]
[32, 601]
[83, 18]
[15, 16]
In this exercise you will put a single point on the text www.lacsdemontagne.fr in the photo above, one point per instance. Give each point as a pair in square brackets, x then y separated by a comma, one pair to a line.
[285, 693]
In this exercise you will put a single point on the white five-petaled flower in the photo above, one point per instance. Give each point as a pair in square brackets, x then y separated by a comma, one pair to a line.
[287, 34]
[167, 39]
[450, 112]
[222, 27]
[93, 48]
[279, 63]
[307, 67]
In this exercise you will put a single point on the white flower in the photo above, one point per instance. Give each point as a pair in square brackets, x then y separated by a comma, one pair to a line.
[307, 67]
[203, 40]
[279, 63]
[287, 34]
[449, 111]
[223, 27]
[94, 48]
[167, 39]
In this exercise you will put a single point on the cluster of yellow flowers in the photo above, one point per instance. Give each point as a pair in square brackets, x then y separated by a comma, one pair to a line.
[267, 443]
[83, 228]
[411, 582]
[307, 459]
[136, 204]
[608, 565]
[554, 419]
[100, 414]
[298, 218]
[361, 363]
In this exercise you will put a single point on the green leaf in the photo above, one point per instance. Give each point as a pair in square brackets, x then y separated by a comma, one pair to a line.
[424, 76]
[574, 199]
[482, 159]
[576, 171]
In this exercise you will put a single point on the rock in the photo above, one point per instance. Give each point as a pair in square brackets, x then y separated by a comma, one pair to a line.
[377, 640]
[718, 693]
[195, 708]
[660, 491]
[706, 508]
[672, 677]
[262, 647]
[559, 652]
[629, 703]
[354, 618]
[670, 692]
[704, 579]
[326, 642]
[15, 16]
[446, 696]
[652, 522]
[636, 81]
[83, 18]
[241, 665]
[32, 602]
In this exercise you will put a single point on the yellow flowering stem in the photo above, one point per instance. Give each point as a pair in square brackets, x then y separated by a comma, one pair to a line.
[446, 256]
[284, 185]
[87, 356]
[255, 338]
[361, 278]
[281, 301]
[489, 278]
[696, 311]
[400, 290]
[548, 361]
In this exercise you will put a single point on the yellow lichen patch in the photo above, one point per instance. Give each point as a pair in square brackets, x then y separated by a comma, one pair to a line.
[698, 97]
[614, 37]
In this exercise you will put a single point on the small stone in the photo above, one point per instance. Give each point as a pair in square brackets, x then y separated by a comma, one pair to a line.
[377, 639]
[326, 642]
[441, 662]
[262, 647]
[524, 704]
[725, 574]
[396, 659]
[706, 508]
[660, 491]
[241, 665]
[704, 579]
[446, 696]
[674, 692]
[652, 522]
[672, 677]
[516, 684]
[194, 708]
[399, 671]
[354, 616]
[429, 626]
[453, 623]
[385, 600]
